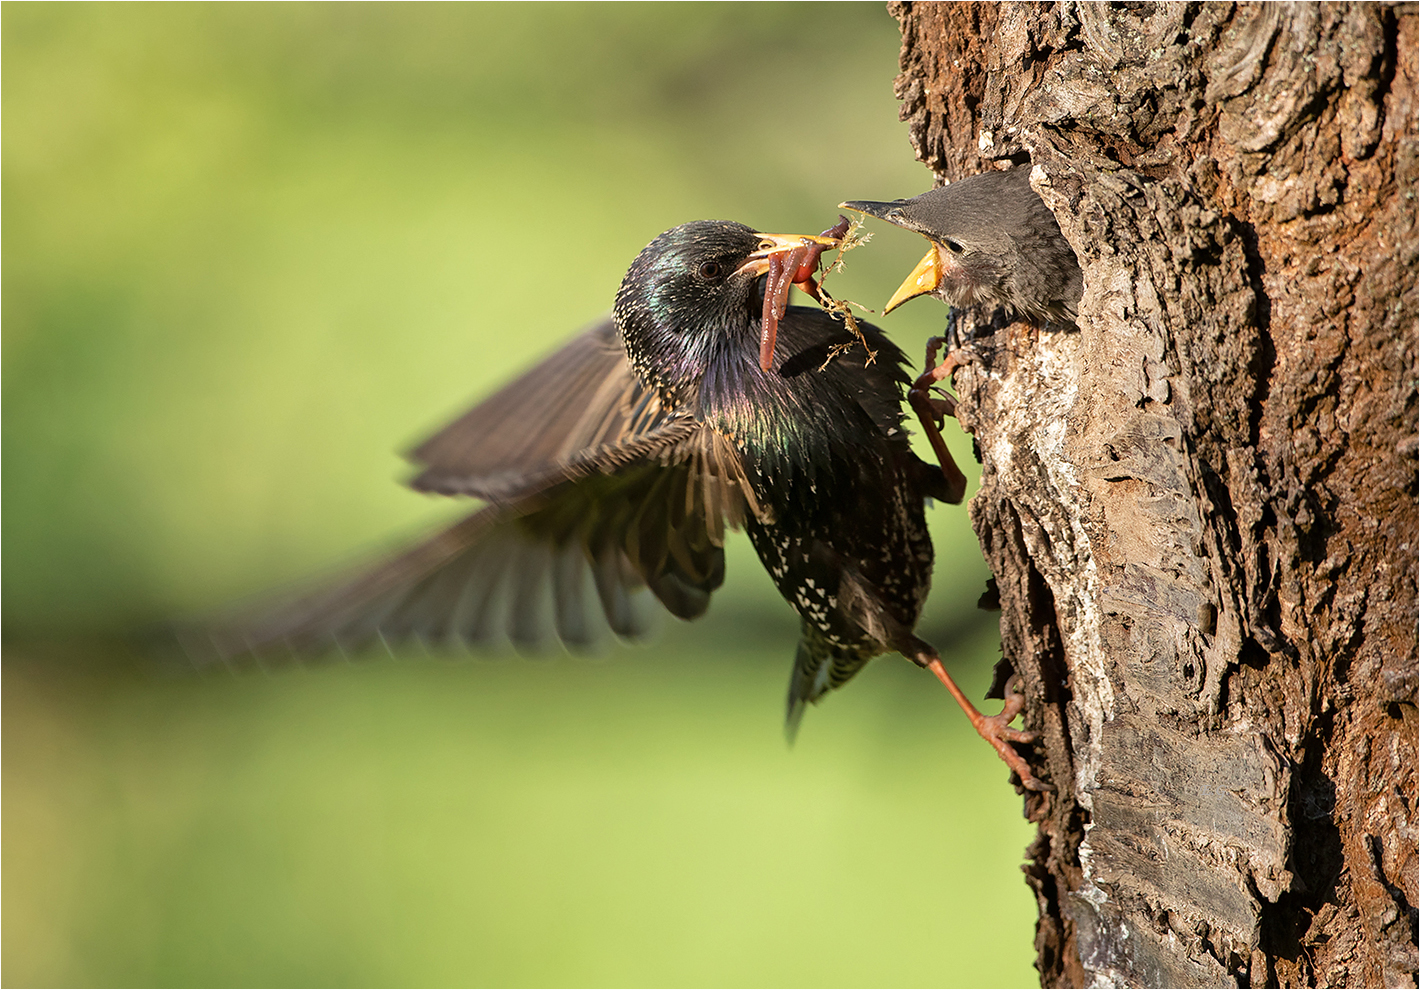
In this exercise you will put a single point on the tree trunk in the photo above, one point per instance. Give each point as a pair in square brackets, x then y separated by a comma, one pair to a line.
[1200, 508]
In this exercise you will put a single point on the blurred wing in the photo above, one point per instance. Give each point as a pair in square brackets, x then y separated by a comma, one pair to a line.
[643, 502]
[581, 399]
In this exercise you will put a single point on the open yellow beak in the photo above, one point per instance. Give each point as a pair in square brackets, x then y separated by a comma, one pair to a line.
[924, 279]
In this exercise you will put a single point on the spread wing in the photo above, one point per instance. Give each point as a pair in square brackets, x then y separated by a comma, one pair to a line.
[580, 399]
[595, 489]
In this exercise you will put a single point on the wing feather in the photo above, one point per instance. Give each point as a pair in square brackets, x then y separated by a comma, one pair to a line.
[582, 399]
[592, 483]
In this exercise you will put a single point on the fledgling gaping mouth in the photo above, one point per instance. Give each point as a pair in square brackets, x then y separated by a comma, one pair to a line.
[927, 276]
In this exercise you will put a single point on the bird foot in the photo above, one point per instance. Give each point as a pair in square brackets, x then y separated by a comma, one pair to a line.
[996, 729]
[957, 357]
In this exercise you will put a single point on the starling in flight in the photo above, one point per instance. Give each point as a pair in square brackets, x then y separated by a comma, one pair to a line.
[620, 460]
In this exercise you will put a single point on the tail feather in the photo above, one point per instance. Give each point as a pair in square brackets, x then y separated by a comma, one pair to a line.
[820, 666]
[799, 692]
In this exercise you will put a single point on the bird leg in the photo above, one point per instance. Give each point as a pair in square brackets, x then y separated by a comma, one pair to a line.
[931, 409]
[995, 729]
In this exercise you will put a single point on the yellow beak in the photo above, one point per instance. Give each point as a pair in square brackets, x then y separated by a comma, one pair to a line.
[778, 243]
[924, 279]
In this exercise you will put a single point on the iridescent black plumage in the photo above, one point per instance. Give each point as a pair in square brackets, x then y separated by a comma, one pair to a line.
[841, 526]
[620, 459]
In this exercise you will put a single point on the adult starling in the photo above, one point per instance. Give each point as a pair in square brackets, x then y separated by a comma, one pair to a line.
[992, 242]
[619, 460]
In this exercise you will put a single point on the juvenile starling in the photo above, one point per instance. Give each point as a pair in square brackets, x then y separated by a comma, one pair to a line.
[992, 242]
[625, 454]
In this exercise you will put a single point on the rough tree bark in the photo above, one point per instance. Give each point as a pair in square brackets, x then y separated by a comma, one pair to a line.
[1200, 508]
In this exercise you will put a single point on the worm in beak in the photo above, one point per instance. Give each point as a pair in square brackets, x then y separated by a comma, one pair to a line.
[787, 260]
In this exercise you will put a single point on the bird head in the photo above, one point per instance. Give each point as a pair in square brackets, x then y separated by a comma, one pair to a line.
[706, 285]
[993, 241]
[969, 255]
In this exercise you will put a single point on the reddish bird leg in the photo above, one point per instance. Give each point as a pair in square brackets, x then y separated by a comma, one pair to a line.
[995, 729]
[931, 409]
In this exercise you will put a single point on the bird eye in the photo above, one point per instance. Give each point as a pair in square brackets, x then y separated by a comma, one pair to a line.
[953, 247]
[710, 270]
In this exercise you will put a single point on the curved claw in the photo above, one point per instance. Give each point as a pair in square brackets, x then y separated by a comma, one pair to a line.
[1000, 738]
[1019, 735]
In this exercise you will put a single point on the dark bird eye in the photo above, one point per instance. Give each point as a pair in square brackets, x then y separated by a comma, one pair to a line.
[710, 269]
[953, 247]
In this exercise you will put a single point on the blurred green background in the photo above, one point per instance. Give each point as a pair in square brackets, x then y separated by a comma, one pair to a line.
[251, 252]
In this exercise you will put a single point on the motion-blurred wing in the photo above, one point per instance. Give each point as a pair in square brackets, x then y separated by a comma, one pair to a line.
[596, 491]
[579, 400]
